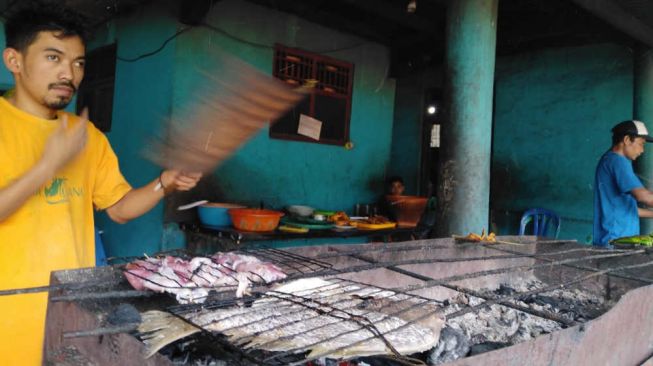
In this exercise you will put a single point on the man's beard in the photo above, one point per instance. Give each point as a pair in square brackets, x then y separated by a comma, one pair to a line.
[58, 104]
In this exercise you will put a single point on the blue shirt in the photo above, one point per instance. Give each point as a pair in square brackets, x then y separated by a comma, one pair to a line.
[615, 208]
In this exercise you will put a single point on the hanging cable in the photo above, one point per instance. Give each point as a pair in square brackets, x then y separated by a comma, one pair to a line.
[157, 50]
[231, 36]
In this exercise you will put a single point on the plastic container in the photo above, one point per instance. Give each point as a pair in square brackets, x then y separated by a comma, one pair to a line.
[215, 214]
[407, 210]
[299, 210]
[252, 219]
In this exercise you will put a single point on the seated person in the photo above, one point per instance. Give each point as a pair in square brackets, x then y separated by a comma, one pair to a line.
[394, 187]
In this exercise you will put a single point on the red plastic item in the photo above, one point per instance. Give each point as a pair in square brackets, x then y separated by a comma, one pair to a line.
[252, 219]
[407, 209]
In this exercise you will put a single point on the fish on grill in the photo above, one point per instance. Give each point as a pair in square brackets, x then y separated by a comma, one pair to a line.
[330, 318]
[191, 280]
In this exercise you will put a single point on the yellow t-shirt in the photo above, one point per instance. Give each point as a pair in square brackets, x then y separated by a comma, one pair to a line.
[53, 230]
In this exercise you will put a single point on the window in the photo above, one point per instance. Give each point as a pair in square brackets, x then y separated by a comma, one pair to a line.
[96, 90]
[329, 102]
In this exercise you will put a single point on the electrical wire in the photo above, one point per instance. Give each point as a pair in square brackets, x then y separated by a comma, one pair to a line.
[235, 38]
[228, 35]
[210, 27]
[152, 53]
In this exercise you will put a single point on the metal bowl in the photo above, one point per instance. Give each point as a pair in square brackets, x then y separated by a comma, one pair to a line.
[298, 210]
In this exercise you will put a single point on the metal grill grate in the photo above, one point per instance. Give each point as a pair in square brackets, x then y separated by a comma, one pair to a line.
[292, 264]
[327, 319]
[339, 306]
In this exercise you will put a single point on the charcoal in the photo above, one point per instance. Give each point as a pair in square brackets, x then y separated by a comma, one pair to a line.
[505, 290]
[453, 345]
[124, 314]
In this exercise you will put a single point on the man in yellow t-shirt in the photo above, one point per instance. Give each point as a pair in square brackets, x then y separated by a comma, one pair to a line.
[55, 168]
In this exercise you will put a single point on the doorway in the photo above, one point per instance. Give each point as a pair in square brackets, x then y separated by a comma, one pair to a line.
[430, 151]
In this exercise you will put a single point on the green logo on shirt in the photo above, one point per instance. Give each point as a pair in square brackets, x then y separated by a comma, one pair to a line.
[58, 192]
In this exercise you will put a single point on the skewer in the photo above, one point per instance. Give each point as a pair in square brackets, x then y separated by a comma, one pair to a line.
[102, 331]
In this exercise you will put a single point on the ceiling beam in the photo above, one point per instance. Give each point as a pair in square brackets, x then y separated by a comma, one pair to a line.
[314, 13]
[411, 21]
[619, 18]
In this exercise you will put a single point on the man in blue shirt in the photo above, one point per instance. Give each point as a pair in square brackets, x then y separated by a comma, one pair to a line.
[616, 187]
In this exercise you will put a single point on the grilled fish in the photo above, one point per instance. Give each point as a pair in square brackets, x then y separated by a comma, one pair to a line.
[334, 318]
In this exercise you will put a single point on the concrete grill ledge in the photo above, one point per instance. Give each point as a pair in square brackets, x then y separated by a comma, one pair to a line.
[437, 269]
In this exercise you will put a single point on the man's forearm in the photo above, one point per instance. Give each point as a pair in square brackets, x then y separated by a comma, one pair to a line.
[135, 203]
[139, 201]
[16, 193]
[644, 213]
[643, 195]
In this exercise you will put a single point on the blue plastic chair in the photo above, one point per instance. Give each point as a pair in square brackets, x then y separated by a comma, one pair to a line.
[542, 219]
[100, 255]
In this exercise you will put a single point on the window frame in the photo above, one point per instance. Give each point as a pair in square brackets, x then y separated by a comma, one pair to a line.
[329, 88]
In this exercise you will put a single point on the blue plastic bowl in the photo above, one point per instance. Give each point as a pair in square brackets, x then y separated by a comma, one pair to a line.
[215, 214]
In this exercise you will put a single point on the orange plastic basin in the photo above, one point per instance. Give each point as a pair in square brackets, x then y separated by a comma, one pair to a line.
[407, 209]
[251, 219]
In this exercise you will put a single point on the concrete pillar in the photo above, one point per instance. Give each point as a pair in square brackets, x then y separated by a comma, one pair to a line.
[464, 194]
[643, 111]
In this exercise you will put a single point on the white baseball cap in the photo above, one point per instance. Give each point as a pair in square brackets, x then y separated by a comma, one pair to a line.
[632, 127]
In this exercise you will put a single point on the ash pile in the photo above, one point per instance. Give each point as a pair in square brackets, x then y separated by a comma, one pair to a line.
[497, 326]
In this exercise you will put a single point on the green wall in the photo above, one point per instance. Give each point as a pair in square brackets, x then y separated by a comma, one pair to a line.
[406, 151]
[277, 172]
[552, 118]
[142, 100]
[553, 114]
[281, 172]
[6, 80]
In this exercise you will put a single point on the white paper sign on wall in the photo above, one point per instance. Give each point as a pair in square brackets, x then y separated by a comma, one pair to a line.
[309, 127]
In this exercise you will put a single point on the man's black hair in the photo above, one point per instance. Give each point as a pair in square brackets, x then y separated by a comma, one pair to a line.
[23, 25]
[618, 137]
[395, 178]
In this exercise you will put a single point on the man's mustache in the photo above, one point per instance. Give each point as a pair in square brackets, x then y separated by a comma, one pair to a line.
[63, 83]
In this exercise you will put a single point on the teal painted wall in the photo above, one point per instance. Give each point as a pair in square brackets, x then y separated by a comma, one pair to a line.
[142, 100]
[406, 148]
[553, 114]
[6, 80]
[405, 156]
[281, 172]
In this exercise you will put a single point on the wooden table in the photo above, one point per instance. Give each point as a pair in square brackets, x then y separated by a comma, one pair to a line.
[229, 238]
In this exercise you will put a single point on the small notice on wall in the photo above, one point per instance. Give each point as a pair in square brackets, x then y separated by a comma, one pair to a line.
[309, 127]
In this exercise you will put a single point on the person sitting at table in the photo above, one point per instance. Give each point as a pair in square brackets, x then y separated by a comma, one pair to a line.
[394, 187]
